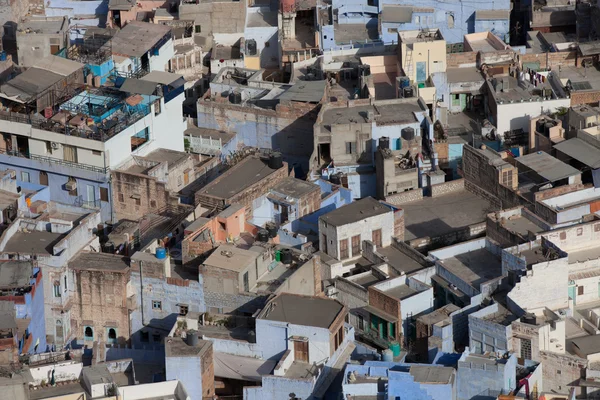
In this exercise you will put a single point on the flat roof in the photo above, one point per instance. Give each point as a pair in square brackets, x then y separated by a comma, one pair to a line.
[261, 19]
[294, 188]
[58, 65]
[99, 262]
[398, 14]
[355, 211]
[137, 38]
[8, 199]
[395, 113]
[132, 85]
[432, 374]
[548, 167]
[483, 15]
[295, 309]
[587, 344]
[243, 175]
[41, 24]
[15, 274]
[209, 133]
[439, 315]
[400, 261]
[580, 151]
[97, 374]
[177, 347]
[435, 216]
[27, 85]
[474, 267]
[242, 368]
[172, 157]
[521, 225]
[305, 91]
[33, 242]
[458, 75]
[162, 77]
[400, 292]
[230, 257]
[502, 317]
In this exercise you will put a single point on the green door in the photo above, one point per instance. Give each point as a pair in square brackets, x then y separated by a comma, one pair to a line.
[572, 291]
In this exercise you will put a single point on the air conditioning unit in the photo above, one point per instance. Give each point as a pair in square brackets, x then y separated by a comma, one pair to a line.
[71, 185]
[54, 145]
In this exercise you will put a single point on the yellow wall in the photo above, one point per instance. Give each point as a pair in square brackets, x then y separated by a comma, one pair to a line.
[433, 53]
[252, 62]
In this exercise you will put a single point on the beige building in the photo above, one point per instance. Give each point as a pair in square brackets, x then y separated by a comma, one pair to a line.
[395, 173]
[421, 53]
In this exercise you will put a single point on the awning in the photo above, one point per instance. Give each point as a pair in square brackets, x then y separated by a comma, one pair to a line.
[381, 314]
[580, 151]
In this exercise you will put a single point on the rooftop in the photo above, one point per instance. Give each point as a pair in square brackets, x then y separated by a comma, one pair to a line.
[439, 315]
[178, 347]
[547, 166]
[230, 257]
[435, 216]
[137, 38]
[502, 317]
[399, 261]
[423, 35]
[392, 112]
[261, 19]
[432, 374]
[99, 262]
[295, 188]
[572, 199]
[474, 267]
[243, 175]
[459, 75]
[42, 25]
[242, 368]
[15, 274]
[97, 374]
[355, 212]
[580, 151]
[33, 242]
[581, 79]
[400, 292]
[521, 225]
[302, 310]
[587, 345]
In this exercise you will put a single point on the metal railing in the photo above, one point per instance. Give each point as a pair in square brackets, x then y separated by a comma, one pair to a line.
[56, 161]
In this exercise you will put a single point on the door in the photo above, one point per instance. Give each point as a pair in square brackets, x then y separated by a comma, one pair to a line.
[69, 153]
[572, 292]
[301, 351]
[91, 194]
[325, 244]
[377, 237]
[44, 178]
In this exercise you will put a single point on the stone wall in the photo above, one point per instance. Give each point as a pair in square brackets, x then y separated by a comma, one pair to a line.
[447, 187]
[549, 59]
[585, 97]
[389, 305]
[456, 60]
[428, 243]
[405, 197]
[571, 370]
[153, 195]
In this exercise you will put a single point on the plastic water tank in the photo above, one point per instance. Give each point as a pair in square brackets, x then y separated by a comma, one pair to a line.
[384, 142]
[395, 348]
[262, 235]
[192, 338]
[286, 256]
[272, 229]
[275, 160]
[408, 133]
[161, 253]
[404, 81]
[388, 355]
[2, 55]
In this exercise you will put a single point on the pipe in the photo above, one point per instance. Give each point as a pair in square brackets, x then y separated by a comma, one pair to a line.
[142, 293]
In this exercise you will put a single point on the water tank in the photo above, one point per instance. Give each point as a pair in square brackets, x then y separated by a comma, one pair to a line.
[278, 256]
[408, 133]
[2, 55]
[539, 125]
[388, 355]
[336, 179]
[262, 235]
[251, 47]
[547, 126]
[407, 92]
[192, 338]
[109, 247]
[286, 256]
[365, 69]
[395, 347]
[404, 81]
[384, 142]
[251, 337]
[161, 253]
[275, 161]
[235, 98]
[272, 229]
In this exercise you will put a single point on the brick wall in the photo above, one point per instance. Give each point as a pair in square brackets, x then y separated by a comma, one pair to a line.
[191, 249]
[562, 58]
[447, 187]
[571, 370]
[208, 373]
[455, 60]
[405, 197]
[585, 97]
[153, 195]
[399, 227]
[389, 305]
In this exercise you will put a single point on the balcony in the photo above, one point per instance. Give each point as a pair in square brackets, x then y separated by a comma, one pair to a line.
[53, 161]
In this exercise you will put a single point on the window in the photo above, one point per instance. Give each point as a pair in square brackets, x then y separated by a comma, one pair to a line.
[350, 147]
[96, 152]
[121, 198]
[156, 305]
[103, 194]
[361, 323]
[25, 176]
[558, 372]
[153, 203]
[157, 109]
[417, 19]
[65, 280]
[355, 245]
[88, 333]
[579, 290]
[183, 309]
[392, 30]
[44, 178]
[69, 153]
[156, 337]
[246, 282]
[198, 28]
[526, 349]
[57, 289]
[139, 139]
[344, 249]
[111, 333]
[450, 21]
[507, 178]
[138, 201]
[377, 237]
[144, 336]
[392, 327]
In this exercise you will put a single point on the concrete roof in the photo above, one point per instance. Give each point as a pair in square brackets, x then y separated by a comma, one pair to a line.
[99, 262]
[395, 113]
[35, 242]
[243, 175]
[302, 310]
[177, 347]
[97, 374]
[7, 320]
[474, 267]
[548, 167]
[58, 65]
[137, 38]
[581, 151]
[162, 77]
[588, 344]
[8, 199]
[356, 211]
[172, 157]
[305, 91]
[481, 15]
[400, 261]
[458, 75]
[43, 25]
[15, 274]
[432, 374]
[26, 86]
[132, 85]
[242, 368]
[294, 188]
[231, 258]
[589, 48]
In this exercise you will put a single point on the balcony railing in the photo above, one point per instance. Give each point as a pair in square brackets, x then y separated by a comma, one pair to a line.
[56, 161]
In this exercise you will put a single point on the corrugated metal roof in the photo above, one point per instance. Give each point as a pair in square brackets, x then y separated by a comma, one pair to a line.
[589, 48]
[581, 151]
[482, 15]
[58, 65]
[29, 84]
[400, 14]
[548, 167]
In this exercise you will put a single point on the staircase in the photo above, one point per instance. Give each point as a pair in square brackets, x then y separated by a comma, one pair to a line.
[335, 369]
[408, 64]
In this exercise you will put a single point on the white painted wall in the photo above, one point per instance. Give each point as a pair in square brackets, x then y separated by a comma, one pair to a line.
[63, 371]
[165, 54]
[518, 115]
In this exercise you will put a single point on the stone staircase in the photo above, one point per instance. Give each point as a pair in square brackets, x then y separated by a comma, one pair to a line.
[337, 367]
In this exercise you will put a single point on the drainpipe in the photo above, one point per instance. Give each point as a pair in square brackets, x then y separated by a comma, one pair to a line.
[142, 294]
[110, 199]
